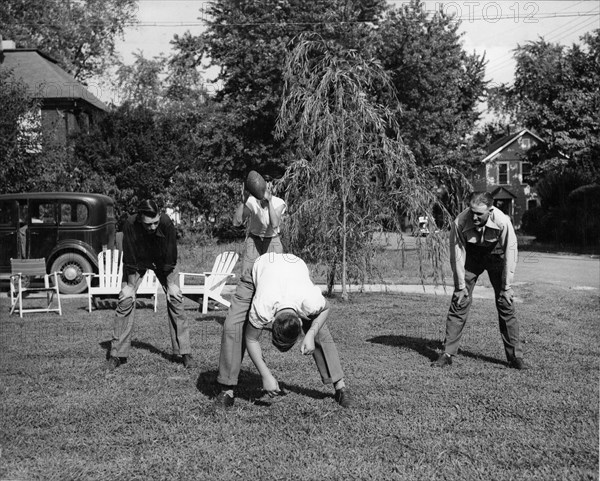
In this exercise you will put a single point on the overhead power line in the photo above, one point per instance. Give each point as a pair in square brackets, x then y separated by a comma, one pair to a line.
[479, 18]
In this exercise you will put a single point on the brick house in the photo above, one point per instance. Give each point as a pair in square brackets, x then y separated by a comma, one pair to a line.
[504, 173]
[66, 105]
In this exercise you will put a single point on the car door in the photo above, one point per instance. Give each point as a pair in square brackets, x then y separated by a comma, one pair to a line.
[42, 232]
[9, 234]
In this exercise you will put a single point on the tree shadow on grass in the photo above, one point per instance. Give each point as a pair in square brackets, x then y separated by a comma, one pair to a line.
[249, 388]
[428, 348]
[219, 319]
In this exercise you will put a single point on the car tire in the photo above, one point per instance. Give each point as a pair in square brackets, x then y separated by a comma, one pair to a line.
[71, 267]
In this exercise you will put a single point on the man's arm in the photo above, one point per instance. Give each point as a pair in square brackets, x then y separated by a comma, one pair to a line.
[252, 336]
[308, 343]
[508, 238]
[275, 213]
[458, 257]
[241, 212]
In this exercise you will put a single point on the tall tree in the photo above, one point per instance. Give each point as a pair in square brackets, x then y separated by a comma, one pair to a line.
[19, 133]
[353, 168]
[556, 94]
[248, 41]
[79, 34]
[438, 84]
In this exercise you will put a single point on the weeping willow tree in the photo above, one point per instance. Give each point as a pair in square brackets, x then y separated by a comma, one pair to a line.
[353, 174]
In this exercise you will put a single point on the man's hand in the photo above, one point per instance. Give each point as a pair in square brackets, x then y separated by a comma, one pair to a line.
[268, 192]
[270, 385]
[174, 292]
[127, 291]
[308, 345]
[460, 297]
[506, 294]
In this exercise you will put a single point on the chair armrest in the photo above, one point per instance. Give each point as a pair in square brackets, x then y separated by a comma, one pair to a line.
[218, 274]
[191, 274]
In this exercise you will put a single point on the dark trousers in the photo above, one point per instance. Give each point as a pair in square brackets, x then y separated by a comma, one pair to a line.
[457, 315]
[124, 321]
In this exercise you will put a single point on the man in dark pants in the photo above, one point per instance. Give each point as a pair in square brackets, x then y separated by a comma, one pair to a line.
[149, 242]
[482, 238]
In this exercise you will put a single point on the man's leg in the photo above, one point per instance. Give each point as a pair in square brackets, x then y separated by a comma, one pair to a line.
[232, 338]
[232, 346]
[178, 325]
[326, 355]
[507, 320]
[328, 363]
[123, 324]
[457, 316]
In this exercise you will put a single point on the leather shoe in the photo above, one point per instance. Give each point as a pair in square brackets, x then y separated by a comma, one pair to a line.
[224, 400]
[188, 361]
[343, 397]
[518, 363]
[113, 363]
[442, 361]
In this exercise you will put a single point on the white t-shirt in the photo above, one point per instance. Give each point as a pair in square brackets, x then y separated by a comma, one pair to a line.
[283, 281]
[259, 220]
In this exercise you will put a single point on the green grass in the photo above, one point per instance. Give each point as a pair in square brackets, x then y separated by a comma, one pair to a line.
[63, 418]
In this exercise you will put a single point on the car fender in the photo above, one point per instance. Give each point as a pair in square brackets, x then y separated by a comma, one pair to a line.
[74, 246]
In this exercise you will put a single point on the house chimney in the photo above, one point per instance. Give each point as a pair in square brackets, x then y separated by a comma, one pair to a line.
[6, 45]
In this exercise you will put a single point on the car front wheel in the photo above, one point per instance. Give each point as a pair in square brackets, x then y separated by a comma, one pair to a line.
[71, 267]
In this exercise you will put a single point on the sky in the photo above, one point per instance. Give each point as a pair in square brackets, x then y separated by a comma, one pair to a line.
[493, 28]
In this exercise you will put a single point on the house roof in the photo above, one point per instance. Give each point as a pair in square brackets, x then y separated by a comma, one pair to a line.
[44, 78]
[504, 142]
[502, 193]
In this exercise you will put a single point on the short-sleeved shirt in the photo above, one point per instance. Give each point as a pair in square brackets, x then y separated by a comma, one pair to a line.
[283, 281]
[260, 224]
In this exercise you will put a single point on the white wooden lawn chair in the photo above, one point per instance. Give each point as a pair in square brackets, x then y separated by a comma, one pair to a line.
[214, 281]
[23, 271]
[110, 278]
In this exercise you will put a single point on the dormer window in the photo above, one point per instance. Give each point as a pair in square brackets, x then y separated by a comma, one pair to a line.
[525, 143]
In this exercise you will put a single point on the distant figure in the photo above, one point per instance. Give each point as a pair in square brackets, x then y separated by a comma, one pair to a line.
[149, 242]
[482, 238]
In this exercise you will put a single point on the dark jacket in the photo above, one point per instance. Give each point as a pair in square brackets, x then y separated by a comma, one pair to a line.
[142, 251]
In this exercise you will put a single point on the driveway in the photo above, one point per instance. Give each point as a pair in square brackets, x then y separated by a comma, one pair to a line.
[566, 270]
[574, 271]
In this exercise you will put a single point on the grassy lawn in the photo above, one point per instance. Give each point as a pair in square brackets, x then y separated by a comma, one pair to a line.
[63, 418]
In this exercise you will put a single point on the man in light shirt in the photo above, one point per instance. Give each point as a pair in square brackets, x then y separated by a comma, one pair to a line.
[482, 238]
[286, 299]
[263, 217]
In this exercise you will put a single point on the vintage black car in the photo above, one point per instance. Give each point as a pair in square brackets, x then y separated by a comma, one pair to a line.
[68, 229]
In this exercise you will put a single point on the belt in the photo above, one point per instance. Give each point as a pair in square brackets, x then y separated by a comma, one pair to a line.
[262, 238]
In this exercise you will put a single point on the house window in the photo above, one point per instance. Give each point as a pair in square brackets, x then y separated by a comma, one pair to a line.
[525, 172]
[525, 143]
[503, 173]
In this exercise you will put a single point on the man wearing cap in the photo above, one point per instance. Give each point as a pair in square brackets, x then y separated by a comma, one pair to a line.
[149, 242]
[482, 238]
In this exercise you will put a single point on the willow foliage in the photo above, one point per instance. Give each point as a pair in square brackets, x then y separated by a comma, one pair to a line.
[353, 175]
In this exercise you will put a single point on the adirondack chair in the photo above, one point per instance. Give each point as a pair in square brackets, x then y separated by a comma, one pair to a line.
[214, 281]
[110, 278]
[24, 273]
